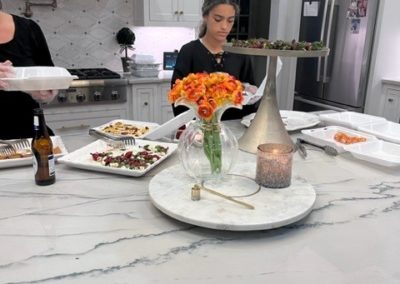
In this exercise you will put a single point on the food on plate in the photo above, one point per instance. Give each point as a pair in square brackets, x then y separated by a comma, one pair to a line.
[263, 43]
[121, 128]
[137, 158]
[24, 153]
[344, 138]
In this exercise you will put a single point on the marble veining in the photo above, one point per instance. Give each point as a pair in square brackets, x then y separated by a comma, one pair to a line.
[99, 228]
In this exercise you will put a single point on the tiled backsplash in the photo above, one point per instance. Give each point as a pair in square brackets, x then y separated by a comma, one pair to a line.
[81, 33]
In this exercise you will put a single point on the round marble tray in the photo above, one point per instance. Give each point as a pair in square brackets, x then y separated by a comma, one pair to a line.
[276, 52]
[170, 192]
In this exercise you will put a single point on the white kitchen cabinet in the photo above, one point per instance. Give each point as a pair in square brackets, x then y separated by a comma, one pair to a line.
[77, 120]
[391, 106]
[166, 108]
[149, 102]
[183, 13]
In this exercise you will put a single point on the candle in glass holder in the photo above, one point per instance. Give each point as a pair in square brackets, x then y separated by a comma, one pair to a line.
[274, 165]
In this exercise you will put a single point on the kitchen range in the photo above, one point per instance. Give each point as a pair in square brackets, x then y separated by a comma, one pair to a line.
[93, 86]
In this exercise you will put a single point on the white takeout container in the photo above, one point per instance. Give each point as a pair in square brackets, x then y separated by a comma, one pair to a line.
[325, 136]
[39, 78]
[378, 152]
[387, 130]
[349, 119]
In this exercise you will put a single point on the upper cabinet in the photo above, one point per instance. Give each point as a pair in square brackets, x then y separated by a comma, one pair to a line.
[178, 13]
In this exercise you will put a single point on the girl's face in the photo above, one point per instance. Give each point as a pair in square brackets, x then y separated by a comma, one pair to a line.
[220, 21]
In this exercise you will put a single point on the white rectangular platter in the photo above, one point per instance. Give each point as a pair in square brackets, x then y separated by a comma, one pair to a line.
[293, 120]
[17, 162]
[378, 152]
[349, 119]
[39, 78]
[325, 136]
[140, 124]
[82, 158]
[387, 130]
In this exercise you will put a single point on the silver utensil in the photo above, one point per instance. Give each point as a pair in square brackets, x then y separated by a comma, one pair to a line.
[329, 150]
[301, 149]
[116, 142]
[7, 151]
[196, 195]
[18, 144]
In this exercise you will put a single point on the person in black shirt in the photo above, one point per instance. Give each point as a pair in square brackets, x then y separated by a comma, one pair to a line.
[22, 43]
[206, 53]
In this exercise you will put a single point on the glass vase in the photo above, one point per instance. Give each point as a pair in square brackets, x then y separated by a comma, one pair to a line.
[207, 150]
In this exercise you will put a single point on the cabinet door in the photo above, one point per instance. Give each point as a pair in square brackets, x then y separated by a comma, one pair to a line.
[189, 11]
[166, 108]
[78, 120]
[144, 104]
[163, 10]
[392, 105]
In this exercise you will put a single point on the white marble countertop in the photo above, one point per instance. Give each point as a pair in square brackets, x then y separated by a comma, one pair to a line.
[97, 228]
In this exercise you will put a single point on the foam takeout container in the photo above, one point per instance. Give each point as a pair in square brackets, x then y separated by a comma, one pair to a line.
[39, 78]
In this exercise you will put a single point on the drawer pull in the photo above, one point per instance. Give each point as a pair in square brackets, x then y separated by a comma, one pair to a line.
[82, 126]
[390, 100]
[146, 103]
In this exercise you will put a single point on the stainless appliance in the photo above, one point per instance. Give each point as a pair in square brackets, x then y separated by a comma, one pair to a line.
[93, 86]
[338, 81]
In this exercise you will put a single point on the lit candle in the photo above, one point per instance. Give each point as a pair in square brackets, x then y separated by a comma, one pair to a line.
[274, 165]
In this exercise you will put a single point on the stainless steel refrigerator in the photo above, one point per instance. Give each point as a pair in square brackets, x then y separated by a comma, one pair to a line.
[338, 81]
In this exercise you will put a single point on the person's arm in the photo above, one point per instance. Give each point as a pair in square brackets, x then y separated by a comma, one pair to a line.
[182, 68]
[42, 57]
[40, 48]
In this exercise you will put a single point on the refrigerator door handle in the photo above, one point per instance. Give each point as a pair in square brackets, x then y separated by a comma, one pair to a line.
[328, 39]
[321, 38]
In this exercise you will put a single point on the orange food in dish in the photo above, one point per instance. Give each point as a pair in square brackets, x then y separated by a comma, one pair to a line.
[344, 138]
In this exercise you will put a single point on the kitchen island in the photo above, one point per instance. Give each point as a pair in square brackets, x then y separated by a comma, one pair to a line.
[92, 227]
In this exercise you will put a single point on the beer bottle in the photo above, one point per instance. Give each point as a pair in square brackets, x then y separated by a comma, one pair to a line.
[42, 150]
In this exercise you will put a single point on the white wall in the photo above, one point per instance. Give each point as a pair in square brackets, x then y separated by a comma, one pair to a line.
[81, 33]
[385, 62]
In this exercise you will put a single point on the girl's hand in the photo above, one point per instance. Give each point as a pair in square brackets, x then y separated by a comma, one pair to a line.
[44, 96]
[6, 71]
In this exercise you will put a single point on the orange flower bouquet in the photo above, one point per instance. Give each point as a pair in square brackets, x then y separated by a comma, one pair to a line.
[209, 95]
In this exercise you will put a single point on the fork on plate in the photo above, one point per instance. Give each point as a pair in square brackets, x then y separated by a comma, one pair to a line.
[7, 151]
[116, 142]
[17, 144]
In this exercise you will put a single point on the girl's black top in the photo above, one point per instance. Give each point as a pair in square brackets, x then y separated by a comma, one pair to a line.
[27, 48]
[194, 57]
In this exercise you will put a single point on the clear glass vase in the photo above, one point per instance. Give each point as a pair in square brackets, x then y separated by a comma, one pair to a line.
[207, 150]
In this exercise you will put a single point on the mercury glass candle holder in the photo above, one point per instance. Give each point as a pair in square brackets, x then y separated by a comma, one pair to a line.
[274, 165]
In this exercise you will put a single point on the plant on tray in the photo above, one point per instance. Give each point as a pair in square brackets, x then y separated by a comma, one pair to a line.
[207, 148]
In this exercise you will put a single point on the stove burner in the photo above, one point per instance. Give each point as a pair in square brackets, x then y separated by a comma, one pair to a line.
[94, 73]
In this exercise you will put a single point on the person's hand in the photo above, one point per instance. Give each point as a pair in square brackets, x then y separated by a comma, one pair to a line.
[44, 96]
[250, 89]
[6, 71]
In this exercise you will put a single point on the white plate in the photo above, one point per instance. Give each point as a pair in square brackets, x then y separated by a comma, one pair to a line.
[82, 158]
[293, 120]
[150, 125]
[39, 78]
[378, 152]
[171, 125]
[170, 192]
[9, 163]
[349, 119]
[325, 136]
[387, 130]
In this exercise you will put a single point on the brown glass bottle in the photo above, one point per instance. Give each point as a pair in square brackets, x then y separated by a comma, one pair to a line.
[42, 150]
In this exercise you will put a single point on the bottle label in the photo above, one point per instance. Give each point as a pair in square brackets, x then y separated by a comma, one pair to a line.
[36, 122]
[35, 164]
[52, 165]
